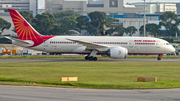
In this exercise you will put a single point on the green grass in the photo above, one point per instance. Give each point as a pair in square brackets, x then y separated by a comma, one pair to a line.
[109, 75]
[82, 57]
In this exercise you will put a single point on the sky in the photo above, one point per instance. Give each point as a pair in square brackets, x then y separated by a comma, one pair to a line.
[41, 2]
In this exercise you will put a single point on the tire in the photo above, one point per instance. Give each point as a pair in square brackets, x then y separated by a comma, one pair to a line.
[159, 58]
[86, 58]
[90, 58]
[95, 58]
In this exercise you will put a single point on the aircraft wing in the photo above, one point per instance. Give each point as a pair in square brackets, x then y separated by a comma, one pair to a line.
[90, 45]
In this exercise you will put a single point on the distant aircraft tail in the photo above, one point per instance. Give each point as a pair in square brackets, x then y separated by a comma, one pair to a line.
[24, 30]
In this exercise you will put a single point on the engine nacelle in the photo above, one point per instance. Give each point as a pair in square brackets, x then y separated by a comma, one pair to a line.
[117, 52]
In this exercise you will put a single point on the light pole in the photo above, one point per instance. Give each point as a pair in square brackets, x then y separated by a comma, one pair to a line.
[144, 18]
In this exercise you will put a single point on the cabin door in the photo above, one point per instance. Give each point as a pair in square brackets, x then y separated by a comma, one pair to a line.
[131, 46]
[158, 44]
[45, 43]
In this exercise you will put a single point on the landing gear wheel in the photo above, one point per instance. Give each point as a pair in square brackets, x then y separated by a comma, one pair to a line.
[87, 58]
[159, 58]
[95, 58]
[90, 58]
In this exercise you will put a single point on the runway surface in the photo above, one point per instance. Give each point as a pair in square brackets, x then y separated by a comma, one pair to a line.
[30, 93]
[82, 60]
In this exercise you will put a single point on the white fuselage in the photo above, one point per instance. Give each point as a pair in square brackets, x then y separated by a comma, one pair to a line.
[135, 45]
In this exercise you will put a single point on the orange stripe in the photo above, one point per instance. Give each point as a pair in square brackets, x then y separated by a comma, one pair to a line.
[34, 35]
[23, 34]
[18, 27]
[30, 34]
[26, 33]
[19, 32]
[16, 20]
[17, 17]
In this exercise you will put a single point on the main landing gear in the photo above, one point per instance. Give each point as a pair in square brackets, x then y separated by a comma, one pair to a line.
[90, 58]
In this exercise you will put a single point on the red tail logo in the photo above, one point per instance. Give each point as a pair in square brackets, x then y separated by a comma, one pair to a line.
[24, 30]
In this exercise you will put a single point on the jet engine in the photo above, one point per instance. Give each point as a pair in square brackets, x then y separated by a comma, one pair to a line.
[117, 52]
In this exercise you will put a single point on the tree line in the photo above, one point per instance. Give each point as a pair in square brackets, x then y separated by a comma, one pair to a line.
[169, 20]
[61, 22]
[4, 25]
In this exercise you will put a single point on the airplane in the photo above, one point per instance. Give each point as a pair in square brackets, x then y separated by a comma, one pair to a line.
[111, 46]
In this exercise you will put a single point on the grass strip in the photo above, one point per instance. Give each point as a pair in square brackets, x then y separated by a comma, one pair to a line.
[98, 75]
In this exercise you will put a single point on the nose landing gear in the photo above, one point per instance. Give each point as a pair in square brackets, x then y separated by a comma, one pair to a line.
[159, 56]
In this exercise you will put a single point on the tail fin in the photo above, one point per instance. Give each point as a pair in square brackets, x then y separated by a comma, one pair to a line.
[24, 30]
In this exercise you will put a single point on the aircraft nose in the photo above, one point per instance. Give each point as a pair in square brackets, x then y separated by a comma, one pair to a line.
[172, 49]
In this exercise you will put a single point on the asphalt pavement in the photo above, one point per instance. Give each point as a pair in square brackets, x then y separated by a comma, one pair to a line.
[34, 93]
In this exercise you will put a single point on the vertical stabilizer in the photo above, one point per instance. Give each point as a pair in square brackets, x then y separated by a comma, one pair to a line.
[24, 30]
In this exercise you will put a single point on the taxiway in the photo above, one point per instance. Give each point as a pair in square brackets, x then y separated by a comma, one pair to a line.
[32, 93]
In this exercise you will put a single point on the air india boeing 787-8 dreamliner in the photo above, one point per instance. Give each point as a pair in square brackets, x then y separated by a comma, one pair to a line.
[114, 47]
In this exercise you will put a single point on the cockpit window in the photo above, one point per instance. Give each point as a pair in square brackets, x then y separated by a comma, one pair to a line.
[167, 43]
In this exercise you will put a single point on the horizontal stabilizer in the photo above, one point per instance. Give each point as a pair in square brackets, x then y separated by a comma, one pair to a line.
[17, 41]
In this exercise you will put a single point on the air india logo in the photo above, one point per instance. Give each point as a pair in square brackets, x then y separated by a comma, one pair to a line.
[24, 30]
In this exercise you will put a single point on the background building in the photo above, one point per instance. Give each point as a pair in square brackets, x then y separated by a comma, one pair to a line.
[110, 7]
[40, 11]
[113, 8]
[178, 8]
[156, 7]
[20, 5]
[130, 14]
